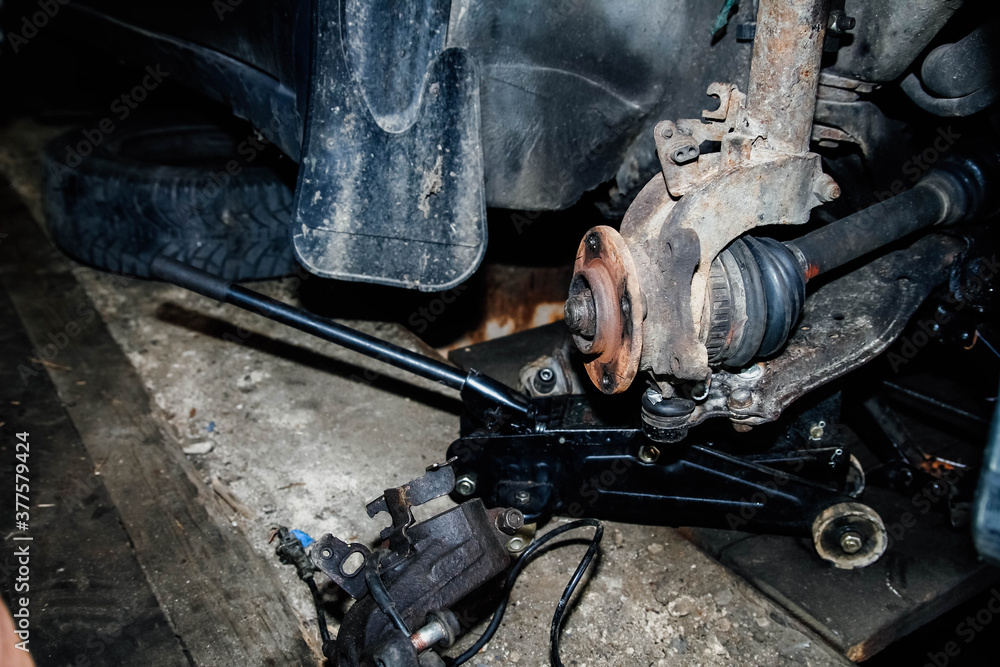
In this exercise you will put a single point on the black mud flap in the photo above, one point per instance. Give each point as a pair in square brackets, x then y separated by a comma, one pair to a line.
[390, 186]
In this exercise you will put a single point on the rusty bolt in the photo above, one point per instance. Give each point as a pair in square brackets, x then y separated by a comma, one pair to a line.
[581, 314]
[510, 522]
[851, 542]
[826, 188]
[740, 398]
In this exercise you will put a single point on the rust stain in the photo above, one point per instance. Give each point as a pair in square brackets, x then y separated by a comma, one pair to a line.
[516, 299]
[811, 272]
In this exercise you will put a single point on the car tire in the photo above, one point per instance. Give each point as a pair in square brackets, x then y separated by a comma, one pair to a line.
[189, 190]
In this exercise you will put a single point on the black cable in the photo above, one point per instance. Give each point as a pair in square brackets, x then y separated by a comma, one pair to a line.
[324, 631]
[379, 593]
[557, 618]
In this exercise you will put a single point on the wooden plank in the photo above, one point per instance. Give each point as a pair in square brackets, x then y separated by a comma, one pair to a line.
[222, 599]
[89, 600]
[929, 571]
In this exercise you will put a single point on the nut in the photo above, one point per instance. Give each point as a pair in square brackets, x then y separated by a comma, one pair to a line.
[851, 542]
[466, 485]
[522, 497]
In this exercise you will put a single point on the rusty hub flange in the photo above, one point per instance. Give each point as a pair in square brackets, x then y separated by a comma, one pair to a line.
[605, 310]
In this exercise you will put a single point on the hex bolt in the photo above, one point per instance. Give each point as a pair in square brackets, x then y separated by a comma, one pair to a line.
[522, 497]
[851, 542]
[510, 521]
[545, 380]
[740, 398]
[466, 485]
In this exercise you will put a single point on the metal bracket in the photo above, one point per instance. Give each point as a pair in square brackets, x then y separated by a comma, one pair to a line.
[439, 481]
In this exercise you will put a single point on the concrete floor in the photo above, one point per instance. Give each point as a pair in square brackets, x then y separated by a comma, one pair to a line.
[304, 434]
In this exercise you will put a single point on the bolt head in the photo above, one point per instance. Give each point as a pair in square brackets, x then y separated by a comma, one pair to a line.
[326, 553]
[851, 542]
[465, 485]
[816, 431]
[846, 23]
[740, 398]
[522, 497]
[510, 522]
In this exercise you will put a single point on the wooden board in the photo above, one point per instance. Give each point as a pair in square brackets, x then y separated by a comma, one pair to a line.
[220, 597]
[89, 601]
